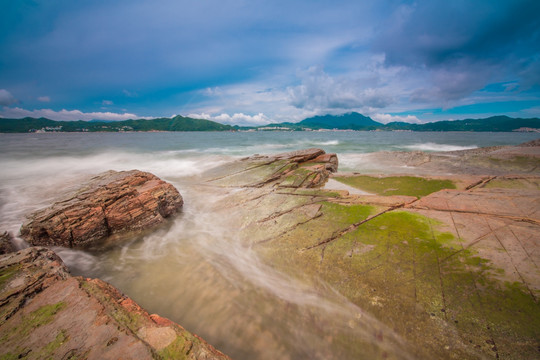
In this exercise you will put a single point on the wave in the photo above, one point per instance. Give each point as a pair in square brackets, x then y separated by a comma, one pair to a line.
[429, 146]
[327, 143]
[27, 184]
[267, 147]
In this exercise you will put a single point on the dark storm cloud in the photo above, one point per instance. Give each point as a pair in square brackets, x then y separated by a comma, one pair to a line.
[464, 44]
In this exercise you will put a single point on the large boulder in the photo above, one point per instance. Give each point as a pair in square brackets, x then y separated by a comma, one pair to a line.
[112, 203]
[45, 313]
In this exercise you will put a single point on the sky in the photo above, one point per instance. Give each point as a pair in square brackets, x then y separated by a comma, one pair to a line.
[256, 62]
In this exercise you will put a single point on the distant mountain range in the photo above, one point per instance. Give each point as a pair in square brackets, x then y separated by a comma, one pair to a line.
[349, 121]
[177, 123]
[356, 121]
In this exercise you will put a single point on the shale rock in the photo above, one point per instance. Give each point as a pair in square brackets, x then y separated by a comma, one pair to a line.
[47, 314]
[308, 168]
[112, 203]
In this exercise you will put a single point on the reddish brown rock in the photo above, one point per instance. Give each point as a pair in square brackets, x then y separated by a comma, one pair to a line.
[330, 161]
[112, 203]
[47, 314]
[300, 155]
[306, 168]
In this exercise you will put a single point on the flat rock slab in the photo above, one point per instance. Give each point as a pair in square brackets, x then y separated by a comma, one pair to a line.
[517, 204]
[112, 203]
[47, 314]
[500, 224]
[499, 160]
[455, 273]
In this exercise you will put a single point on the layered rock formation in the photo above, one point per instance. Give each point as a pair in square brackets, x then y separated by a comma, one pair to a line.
[112, 203]
[47, 314]
[448, 262]
[298, 169]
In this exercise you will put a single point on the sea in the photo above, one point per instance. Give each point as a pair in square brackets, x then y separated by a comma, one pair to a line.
[195, 272]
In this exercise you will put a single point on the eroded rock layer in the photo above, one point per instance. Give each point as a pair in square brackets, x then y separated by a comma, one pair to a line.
[47, 314]
[297, 169]
[112, 203]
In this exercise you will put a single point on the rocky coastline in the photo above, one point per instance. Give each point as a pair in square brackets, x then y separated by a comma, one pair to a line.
[447, 262]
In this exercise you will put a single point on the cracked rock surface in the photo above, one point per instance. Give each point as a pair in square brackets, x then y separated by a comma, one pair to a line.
[454, 270]
[110, 204]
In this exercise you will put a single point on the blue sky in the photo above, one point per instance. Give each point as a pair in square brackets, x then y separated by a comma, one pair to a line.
[255, 62]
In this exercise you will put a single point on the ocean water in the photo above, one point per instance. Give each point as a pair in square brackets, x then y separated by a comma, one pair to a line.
[195, 272]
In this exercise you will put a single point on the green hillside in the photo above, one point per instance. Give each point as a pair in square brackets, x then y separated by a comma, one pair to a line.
[177, 123]
[355, 121]
[349, 121]
[494, 123]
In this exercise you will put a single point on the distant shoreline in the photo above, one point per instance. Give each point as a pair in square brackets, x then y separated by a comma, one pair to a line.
[345, 122]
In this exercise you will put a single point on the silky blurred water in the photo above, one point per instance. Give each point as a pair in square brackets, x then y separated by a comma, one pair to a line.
[195, 271]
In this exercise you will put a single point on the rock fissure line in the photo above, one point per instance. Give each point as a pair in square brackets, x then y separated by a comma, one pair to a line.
[289, 229]
[476, 290]
[523, 247]
[106, 221]
[482, 313]
[281, 213]
[439, 273]
[509, 217]
[513, 264]
[241, 171]
[28, 292]
[480, 183]
[350, 228]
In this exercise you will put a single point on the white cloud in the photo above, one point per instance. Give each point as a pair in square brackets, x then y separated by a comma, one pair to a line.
[235, 119]
[387, 118]
[6, 99]
[107, 102]
[212, 91]
[130, 94]
[44, 99]
[65, 115]
[320, 91]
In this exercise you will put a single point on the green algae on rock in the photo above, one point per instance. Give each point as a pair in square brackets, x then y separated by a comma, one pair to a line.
[396, 185]
[427, 268]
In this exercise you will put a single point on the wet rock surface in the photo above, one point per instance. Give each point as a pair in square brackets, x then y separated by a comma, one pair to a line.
[6, 244]
[451, 272]
[47, 314]
[110, 204]
[498, 160]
